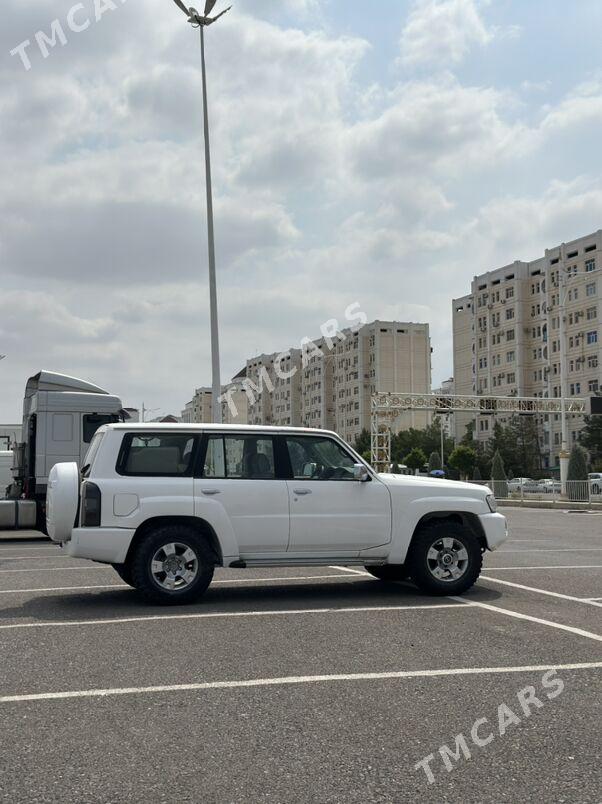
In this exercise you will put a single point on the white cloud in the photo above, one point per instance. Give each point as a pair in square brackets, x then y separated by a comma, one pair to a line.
[441, 32]
[331, 186]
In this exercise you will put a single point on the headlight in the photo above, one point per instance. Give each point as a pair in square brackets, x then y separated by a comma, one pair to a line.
[492, 503]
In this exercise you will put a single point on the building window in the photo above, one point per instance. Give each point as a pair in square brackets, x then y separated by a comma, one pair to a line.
[510, 378]
[510, 335]
[592, 337]
[590, 289]
[510, 293]
[590, 265]
[509, 313]
[593, 386]
[592, 313]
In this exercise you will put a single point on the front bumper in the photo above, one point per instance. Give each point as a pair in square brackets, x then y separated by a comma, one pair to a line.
[108, 545]
[495, 528]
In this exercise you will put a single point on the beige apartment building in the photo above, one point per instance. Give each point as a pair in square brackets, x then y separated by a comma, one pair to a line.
[329, 384]
[507, 335]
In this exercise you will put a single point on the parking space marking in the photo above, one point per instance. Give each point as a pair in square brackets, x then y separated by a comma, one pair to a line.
[517, 615]
[85, 567]
[228, 614]
[353, 571]
[554, 550]
[57, 557]
[290, 680]
[542, 591]
[64, 589]
[550, 567]
[213, 583]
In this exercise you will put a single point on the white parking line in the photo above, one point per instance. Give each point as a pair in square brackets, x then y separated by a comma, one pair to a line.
[549, 567]
[541, 591]
[517, 615]
[353, 571]
[86, 568]
[289, 680]
[554, 550]
[212, 615]
[59, 556]
[213, 583]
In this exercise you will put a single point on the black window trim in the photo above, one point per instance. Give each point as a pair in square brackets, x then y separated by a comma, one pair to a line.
[126, 443]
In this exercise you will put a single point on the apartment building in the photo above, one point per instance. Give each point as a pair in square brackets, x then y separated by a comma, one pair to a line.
[235, 403]
[507, 338]
[260, 384]
[381, 356]
[333, 382]
[198, 410]
[317, 396]
[329, 383]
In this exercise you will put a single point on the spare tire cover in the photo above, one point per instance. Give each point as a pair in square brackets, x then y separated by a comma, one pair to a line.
[62, 498]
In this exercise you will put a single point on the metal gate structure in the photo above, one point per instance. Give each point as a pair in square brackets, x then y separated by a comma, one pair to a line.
[387, 406]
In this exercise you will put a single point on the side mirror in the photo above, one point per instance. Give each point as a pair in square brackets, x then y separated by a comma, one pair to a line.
[360, 472]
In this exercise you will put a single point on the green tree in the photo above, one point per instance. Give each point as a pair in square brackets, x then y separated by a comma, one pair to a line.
[577, 487]
[363, 442]
[463, 459]
[415, 459]
[498, 476]
[591, 439]
[434, 461]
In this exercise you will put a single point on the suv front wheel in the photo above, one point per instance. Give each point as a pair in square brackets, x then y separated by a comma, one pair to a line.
[173, 565]
[445, 558]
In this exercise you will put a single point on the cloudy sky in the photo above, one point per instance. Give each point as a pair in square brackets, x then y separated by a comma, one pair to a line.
[381, 157]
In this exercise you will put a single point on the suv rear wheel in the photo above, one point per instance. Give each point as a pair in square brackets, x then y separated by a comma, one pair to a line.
[445, 558]
[172, 565]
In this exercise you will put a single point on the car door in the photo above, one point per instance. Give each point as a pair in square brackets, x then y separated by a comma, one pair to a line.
[331, 512]
[238, 477]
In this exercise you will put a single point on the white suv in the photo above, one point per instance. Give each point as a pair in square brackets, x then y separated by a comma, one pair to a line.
[166, 504]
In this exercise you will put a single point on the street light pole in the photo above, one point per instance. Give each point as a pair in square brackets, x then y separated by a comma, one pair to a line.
[202, 21]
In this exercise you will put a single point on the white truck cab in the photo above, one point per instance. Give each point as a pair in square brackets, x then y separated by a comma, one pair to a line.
[166, 504]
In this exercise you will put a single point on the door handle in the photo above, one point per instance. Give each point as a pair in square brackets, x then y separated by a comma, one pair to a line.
[301, 492]
[210, 492]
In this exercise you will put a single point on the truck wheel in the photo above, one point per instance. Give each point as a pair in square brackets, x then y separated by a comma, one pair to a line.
[125, 572]
[445, 558]
[389, 572]
[172, 565]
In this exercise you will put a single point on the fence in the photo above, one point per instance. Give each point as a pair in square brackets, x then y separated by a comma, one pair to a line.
[547, 490]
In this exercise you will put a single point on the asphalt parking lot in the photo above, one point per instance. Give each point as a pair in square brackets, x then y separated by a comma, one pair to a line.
[308, 685]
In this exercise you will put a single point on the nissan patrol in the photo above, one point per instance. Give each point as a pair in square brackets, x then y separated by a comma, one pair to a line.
[166, 504]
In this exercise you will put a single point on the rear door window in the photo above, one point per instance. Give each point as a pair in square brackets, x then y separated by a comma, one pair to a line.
[157, 454]
[241, 457]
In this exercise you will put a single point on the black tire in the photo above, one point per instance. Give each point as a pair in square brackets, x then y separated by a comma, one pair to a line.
[422, 568]
[150, 586]
[125, 573]
[389, 572]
